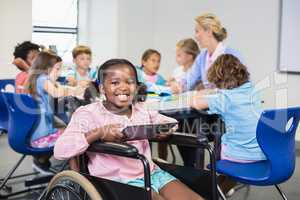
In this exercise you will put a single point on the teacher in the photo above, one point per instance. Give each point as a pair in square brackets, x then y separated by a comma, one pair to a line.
[210, 34]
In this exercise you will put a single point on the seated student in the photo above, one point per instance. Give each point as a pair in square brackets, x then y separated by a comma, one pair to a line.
[105, 120]
[24, 55]
[186, 53]
[81, 74]
[42, 86]
[238, 104]
[148, 72]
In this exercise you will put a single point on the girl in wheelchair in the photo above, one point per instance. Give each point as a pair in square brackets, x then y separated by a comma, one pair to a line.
[105, 120]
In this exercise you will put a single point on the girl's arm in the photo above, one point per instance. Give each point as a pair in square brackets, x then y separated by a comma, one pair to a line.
[21, 64]
[56, 90]
[197, 100]
[81, 132]
[71, 81]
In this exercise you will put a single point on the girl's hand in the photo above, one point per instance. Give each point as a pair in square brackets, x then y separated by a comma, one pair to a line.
[175, 87]
[111, 133]
[197, 101]
[84, 83]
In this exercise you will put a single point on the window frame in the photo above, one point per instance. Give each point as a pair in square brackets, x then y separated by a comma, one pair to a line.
[64, 30]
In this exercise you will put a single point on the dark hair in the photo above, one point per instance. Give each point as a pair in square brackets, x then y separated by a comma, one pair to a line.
[228, 72]
[41, 65]
[102, 73]
[146, 55]
[22, 50]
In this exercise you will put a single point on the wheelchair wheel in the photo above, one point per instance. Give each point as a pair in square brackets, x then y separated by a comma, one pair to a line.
[71, 185]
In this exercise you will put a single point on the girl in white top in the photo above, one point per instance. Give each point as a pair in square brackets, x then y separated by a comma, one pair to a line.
[186, 53]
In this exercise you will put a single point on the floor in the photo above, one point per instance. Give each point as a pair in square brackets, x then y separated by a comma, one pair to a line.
[291, 187]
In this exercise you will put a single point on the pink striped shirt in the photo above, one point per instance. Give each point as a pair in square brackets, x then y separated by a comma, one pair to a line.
[73, 142]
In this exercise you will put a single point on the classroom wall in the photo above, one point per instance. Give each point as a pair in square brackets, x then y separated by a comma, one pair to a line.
[252, 26]
[16, 26]
[98, 28]
[119, 28]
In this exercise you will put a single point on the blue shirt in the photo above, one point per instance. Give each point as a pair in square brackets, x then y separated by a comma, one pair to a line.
[142, 77]
[198, 69]
[240, 108]
[45, 126]
[158, 87]
[92, 74]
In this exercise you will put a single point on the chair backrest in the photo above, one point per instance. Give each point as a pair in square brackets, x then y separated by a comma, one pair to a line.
[24, 114]
[4, 114]
[6, 82]
[276, 136]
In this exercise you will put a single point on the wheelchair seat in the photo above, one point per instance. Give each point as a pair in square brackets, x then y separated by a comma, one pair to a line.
[198, 180]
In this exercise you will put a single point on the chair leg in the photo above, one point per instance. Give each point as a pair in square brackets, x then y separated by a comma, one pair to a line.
[173, 154]
[8, 176]
[281, 192]
[222, 195]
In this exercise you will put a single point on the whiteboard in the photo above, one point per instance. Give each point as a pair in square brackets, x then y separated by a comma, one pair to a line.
[289, 51]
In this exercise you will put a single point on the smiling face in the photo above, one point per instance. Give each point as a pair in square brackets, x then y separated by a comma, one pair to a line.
[119, 87]
[151, 65]
[202, 36]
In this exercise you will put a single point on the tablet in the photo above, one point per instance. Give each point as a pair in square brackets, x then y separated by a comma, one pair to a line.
[147, 131]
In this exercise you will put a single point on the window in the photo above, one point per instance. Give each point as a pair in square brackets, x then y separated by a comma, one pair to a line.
[55, 25]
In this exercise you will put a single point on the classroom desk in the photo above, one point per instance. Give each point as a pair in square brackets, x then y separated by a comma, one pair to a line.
[191, 121]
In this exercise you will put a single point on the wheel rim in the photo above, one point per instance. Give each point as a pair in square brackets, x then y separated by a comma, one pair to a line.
[67, 190]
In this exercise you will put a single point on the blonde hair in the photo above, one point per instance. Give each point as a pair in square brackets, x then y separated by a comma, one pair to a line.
[210, 21]
[189, 46]
[81, 49]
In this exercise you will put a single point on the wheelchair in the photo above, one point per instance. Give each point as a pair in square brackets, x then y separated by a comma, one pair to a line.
[81, 185]
[74, 185]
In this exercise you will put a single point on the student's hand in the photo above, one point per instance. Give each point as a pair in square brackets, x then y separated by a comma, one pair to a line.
[197, 101]
[175, 87]
[79, 91]
[169, 80]
[111, 133]
[84, 83]
[108, 133]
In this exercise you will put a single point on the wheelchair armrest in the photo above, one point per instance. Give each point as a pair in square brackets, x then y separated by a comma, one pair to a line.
[189, 140]
[120, 149]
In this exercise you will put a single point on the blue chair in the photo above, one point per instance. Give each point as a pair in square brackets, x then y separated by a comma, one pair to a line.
[278, 145]
[23, 115]
[6, 82]
[3, 110]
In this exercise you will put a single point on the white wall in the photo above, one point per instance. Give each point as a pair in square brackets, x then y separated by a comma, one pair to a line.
[16, 26]
[126, 28]
[252, 26]
[98, 28]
